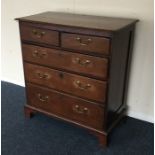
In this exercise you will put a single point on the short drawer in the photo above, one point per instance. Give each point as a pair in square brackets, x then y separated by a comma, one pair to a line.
[73, 84]
[79, 63]
[66, 106]
[39, 35]
[92, 44]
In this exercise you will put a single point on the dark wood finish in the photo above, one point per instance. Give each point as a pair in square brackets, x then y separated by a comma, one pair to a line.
[84, 21]
[117, 73]
[85, 43]
[29, 113]
[67, 106]
[103, 141]
[102, 138]
[39, 35]
[77, 85]
[63, 28]
[60, 80]
[129, 57]
[79, 63]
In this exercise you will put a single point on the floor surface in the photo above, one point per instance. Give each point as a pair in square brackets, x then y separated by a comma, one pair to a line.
[43, 135]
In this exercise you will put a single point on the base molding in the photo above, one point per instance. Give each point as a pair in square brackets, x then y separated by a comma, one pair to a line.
[4, 79]
[140, 116]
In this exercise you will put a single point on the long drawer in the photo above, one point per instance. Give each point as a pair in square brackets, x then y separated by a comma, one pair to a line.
[79, 63]
[74, 84]
[66, 106]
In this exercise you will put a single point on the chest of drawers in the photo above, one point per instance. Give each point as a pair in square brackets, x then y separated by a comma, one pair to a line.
[76, 68]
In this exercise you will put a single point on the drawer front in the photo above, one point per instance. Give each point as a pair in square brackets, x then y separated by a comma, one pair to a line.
[79, 63]
[85, 43]
[74, 84]
[39, 35]
[66, 106]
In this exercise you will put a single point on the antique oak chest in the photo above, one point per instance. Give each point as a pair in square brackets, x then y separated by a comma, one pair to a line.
[76, 68]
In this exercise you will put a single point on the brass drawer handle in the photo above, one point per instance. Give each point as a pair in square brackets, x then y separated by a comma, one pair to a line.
[43, 75]
[39, 55]
[80, 110]
[83, 43]
[81, 86]
[38, 34]
[82, 62]
[43, 98]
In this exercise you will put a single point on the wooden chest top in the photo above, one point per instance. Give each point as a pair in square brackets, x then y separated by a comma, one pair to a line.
[81, 21]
